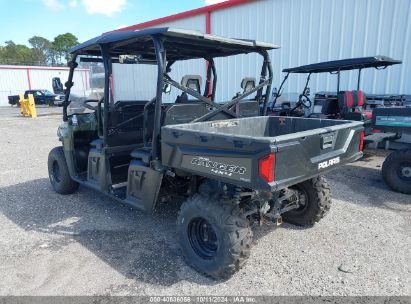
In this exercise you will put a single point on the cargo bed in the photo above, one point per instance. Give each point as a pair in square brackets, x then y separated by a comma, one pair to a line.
[231, 150]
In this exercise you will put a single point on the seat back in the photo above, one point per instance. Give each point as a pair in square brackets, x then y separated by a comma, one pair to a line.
[126, 123]
[247, 84]
[247, 107]
[326, 104]
[352, 106]
[351, 101]
[192, 82]
[184, 113]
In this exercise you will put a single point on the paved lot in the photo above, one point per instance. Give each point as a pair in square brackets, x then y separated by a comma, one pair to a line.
[86, 244]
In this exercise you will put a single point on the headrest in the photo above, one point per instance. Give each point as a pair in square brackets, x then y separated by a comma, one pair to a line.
[192, 82]
[248, 83]
[351, 99]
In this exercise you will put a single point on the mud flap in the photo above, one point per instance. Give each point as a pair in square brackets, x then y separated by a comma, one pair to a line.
[143, 186]
[96, 169]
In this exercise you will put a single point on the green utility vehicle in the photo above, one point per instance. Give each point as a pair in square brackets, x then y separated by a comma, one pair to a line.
[234, 165]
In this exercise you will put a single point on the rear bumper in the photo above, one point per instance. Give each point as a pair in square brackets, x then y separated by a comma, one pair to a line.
[284, 183]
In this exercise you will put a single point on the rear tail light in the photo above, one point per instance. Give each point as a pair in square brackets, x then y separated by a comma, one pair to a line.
[362, 141]
[266, 166]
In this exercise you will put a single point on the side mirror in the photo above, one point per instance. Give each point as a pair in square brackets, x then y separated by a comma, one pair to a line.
[167, 88]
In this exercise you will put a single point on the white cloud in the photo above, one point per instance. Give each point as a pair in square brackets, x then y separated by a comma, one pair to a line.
[72, 3]
[104, 7]
[55, 5]
[209, 2]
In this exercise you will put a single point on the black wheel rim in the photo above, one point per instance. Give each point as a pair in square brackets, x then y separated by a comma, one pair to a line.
[404, 171]
[203, 238]
[56, 171]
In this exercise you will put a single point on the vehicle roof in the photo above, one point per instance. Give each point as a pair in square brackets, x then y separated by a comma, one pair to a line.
[180, 44]
[344, 65]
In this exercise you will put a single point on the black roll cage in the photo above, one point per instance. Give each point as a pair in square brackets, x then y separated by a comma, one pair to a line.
[164, 67]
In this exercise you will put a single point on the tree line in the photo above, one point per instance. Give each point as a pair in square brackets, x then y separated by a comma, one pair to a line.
[40, 52]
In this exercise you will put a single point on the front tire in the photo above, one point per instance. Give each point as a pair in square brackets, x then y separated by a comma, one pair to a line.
[396, 171]
[59, 174]
[315, 196]
[214, 236]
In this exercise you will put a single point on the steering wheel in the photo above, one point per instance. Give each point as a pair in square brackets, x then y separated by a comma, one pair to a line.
[90, 107]
[305, 101]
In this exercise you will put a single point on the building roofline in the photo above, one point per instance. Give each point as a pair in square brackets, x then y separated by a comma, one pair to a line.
[183, 15]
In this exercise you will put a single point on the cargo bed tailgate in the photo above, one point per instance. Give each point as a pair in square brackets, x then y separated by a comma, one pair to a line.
[310, 153]
[231, 150]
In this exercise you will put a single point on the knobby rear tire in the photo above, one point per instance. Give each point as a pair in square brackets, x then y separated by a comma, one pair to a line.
[232, 230]
[318, 202]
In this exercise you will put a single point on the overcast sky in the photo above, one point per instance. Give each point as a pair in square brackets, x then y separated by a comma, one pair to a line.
[22, 19]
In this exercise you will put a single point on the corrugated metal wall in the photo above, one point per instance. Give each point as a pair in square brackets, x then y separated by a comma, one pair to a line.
[320, 30]
[138, 82]
[311, 31]
[192, 23]
[14, 80]
[128, 83]
[308, 31]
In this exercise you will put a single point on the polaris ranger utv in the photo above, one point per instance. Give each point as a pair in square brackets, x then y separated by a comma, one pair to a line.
[234, 165]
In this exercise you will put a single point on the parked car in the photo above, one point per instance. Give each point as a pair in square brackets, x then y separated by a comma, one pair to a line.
[40, 97]
[14, 100]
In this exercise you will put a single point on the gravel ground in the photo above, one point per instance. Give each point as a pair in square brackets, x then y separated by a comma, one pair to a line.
[86, 244]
